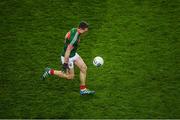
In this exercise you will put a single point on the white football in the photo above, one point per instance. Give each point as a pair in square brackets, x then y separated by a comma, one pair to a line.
[98, 61]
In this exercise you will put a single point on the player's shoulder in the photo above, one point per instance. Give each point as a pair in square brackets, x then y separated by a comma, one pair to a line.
[74, 30]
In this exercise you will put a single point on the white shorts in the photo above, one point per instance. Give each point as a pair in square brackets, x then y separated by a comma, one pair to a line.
[71, 60]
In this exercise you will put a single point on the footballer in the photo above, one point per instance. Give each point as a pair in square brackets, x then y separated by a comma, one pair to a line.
[70, 57]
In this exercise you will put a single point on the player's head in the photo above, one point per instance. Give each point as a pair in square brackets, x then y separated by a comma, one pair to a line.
[83, 26]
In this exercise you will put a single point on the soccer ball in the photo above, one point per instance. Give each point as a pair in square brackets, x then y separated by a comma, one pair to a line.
[98, 61]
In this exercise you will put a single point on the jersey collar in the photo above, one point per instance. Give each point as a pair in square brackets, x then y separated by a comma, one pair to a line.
[78, 31]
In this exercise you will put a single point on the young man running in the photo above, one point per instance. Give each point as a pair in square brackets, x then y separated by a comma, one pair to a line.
[69, 57]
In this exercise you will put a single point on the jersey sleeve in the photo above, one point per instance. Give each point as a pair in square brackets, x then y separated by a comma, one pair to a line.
[73, 37]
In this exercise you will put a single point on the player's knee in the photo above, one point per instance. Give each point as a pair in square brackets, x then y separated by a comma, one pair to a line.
[70, 77]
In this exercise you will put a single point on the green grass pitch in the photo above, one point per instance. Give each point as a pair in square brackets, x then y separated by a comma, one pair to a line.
[138, 40]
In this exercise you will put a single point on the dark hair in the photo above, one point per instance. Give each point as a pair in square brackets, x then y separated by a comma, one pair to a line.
[83, 25]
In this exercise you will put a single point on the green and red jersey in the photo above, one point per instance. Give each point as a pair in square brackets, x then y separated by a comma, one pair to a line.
[72, 39]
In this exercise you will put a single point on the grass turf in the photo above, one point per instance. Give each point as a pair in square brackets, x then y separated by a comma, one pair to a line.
[138, 39]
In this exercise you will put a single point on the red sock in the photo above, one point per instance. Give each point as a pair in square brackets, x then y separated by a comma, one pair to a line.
[82, 87]
[51, 72]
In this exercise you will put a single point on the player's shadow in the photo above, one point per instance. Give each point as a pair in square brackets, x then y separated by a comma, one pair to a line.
[63, 86]
[87, 97]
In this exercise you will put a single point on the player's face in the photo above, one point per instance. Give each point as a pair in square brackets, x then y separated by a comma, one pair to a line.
[85, 30]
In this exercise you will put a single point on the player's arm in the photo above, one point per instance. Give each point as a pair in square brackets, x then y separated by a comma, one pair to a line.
[67, 53]
[73, 39]
[66, 58]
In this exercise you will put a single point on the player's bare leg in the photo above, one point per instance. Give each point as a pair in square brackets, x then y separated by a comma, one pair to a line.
[48, 71]
[70, 74]
[83, 71]
[60, 74]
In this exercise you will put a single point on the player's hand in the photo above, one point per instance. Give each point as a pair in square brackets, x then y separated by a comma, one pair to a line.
[65, 67]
